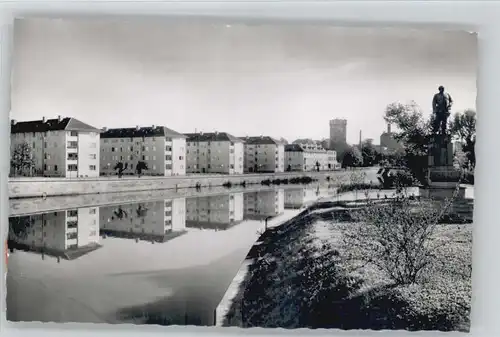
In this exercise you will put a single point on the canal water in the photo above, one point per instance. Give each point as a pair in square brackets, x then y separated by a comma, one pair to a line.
[151, 262]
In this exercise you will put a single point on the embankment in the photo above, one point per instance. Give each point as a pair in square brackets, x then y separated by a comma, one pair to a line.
[31, 206]
[48, 187]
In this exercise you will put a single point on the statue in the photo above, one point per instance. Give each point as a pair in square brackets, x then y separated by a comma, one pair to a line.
[441, 104]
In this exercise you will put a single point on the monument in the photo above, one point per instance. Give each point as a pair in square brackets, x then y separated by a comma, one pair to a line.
[443, 178]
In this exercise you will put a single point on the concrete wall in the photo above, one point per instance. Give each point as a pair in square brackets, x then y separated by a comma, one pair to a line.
[40, 187]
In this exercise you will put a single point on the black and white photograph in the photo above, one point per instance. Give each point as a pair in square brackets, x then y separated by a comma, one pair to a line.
[250, 175]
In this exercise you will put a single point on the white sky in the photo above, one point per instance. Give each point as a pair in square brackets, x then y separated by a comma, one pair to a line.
[278, 80]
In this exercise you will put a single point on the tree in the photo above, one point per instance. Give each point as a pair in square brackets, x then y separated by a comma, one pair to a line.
[22, 160]
[463, 127]
[120, 168]
[370, 155]
[352, 158]
[397, 237]
[141, 166]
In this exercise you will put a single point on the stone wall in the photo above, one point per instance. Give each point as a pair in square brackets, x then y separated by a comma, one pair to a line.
[47, 187]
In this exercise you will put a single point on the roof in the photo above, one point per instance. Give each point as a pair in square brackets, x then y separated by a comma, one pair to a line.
[300, 148]
[212, 137]
[63, 124]
[139, 132]
[293, 148]
[261, 140]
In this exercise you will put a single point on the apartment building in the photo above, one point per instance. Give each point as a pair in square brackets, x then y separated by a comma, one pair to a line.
[262, 204]
[60, 147]
[263, 154]
[67, 234]
[309, 157]
[157, 221]
[217, 152]
[215, 212]
[162, 150]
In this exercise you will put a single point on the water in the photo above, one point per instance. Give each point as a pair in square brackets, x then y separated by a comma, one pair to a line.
[165, 261]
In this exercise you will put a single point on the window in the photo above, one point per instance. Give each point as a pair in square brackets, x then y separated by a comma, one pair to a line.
[143, 157]
[45, 167]
[71, 236]
[168, 166]
[181, 157]
[168, 148]
[92, 167]
[72, 145]
[72, 212]
[73, 134]
[154, 167]
[72, 156]
[72, 167]
[168, 157]
[154, 157]
[92, 211]
[55, 167]
[154, 147]
[232, 166]
[92, 156]
[112, 149]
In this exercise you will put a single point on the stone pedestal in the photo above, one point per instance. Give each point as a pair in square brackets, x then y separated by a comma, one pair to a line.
[442, 176]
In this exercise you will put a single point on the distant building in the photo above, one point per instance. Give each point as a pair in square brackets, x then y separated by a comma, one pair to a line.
[388, 144]
[263, 154]
[61, 147]
[217, 152]
[338, 131]
[262, 204]
[305, 157]
[157, 221]
[214, 212]
[162, 150]
[66, 234]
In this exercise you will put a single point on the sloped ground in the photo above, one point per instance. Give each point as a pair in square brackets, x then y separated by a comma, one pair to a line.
[294, 282]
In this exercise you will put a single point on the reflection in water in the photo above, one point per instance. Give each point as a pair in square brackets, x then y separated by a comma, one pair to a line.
[64, 234]
[264, 204]
[156, 221]
[217, 212]
[128, 279]
[298, 197]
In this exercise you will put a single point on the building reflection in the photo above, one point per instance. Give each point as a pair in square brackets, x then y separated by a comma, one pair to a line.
[218, 212]
[300, 197]
[66, 234]
[155, 221]
[264, 204]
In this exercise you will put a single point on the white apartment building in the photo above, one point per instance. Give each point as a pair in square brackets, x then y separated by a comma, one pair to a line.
[263, 154]
[309, 157]
[263, 204]
[61, 147]
[217, 152]
[214, 212]
[162, 150]
[67, 234]
[157, 220]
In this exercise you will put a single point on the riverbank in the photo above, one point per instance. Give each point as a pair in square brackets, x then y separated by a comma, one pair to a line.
[52, 187]
[293, 278]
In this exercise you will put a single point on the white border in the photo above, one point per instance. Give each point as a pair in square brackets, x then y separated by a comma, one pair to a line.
[480, 16]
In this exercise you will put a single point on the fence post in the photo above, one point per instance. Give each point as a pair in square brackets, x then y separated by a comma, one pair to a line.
[215, 316]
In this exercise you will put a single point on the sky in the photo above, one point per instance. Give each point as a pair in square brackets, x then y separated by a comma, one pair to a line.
[280, 80]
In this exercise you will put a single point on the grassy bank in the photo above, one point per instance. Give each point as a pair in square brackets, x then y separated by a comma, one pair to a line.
[299, 279]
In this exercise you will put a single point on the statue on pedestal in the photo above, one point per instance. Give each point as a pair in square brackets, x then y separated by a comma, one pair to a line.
[441, 104]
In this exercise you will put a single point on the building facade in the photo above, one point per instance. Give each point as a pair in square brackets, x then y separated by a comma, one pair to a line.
[68, 234]
[214, 212]
[61, 147]
[309, 157]
[217, 152]
[162, 150]
[156, 221]
[262, 204]
[338, 131]
[263, 154]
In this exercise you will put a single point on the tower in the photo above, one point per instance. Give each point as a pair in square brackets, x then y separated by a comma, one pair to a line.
[338, 131]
